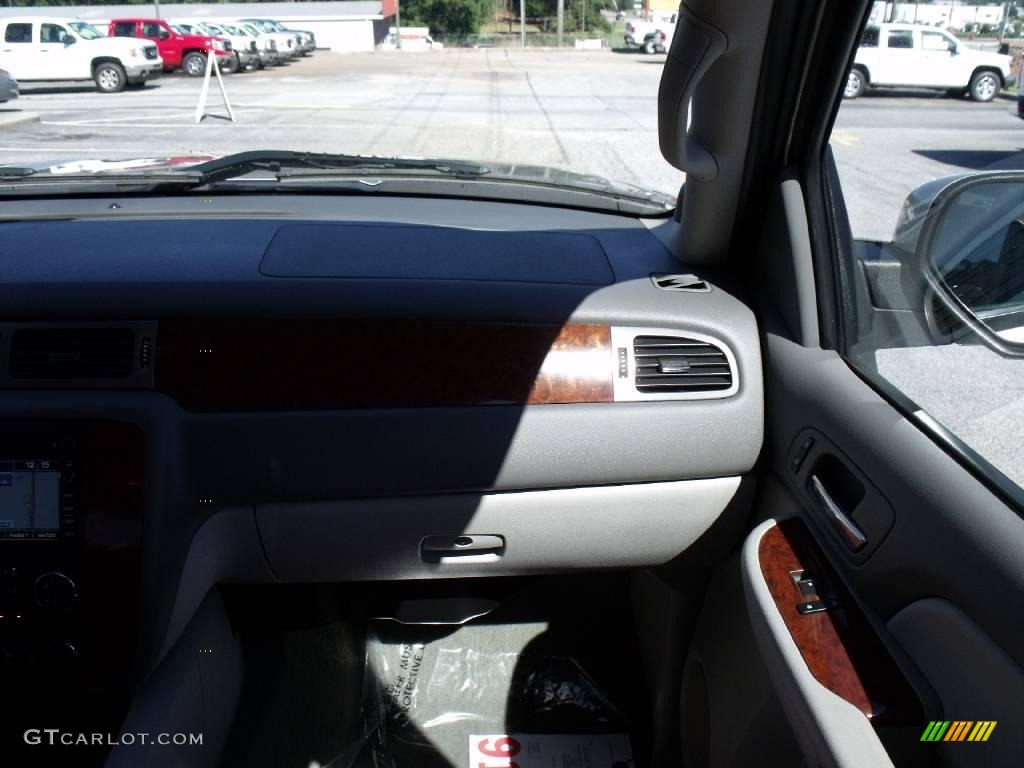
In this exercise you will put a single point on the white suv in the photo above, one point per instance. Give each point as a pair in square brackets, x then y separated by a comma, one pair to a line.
[917, 56]
[39, 48]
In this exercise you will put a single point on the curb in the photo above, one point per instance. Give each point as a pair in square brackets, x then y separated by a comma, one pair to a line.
[15, 118]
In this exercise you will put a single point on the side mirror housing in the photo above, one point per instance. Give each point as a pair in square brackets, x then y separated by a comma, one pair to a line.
[970, 247]
[70, 40]
[164, 34]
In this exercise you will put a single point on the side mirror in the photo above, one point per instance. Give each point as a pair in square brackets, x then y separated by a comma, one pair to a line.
[971, 249]
[164, 34]
[70, 40]
[953, 48]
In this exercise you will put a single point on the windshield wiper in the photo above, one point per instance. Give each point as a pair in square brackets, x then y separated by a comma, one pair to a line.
[15, 178]
[274, 161]
[315, 170]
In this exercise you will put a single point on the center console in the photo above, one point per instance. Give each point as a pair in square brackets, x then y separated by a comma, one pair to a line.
[71, 510]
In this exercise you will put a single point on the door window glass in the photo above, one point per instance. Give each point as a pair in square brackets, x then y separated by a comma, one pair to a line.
[901, 38]
[52, 33]
[18, 33]
[933, 181]
[934, 41]
[870, 38]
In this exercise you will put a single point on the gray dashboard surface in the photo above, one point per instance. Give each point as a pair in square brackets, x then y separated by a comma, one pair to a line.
[412, 252]
[158, 258]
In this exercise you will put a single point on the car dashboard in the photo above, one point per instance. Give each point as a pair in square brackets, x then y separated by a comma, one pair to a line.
[299, 389]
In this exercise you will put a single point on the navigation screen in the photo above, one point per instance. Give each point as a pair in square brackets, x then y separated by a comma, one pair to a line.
[29, 500]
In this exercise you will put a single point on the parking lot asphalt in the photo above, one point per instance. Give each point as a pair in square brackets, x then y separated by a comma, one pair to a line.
[586, 111]
[592, 111]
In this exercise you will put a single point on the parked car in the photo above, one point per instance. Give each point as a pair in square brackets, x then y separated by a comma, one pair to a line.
[307, 40]
[644, 34]
[288, 44]
[266, 46]
[8, 86]
[185, 52]
[658, 42]
[268, 51]
[244, 45]
[894, 55]
[413, 39]
[48, 48]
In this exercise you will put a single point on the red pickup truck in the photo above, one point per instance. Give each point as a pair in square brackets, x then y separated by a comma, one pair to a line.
[187, 52]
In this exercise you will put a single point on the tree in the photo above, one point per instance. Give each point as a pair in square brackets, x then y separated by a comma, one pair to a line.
[548, 9]
[447, 17]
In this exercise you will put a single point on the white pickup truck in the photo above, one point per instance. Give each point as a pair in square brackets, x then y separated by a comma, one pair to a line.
[653, 36]
[245, 46]
[913, 55]
[45, 48]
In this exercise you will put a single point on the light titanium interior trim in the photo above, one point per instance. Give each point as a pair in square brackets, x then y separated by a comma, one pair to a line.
[625, 386]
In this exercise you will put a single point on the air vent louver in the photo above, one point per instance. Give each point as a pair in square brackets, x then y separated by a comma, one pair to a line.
[680, 283]
[72, 353]
[680, 364]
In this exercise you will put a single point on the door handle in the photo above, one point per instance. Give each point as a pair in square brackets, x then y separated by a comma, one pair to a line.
[463, 548]
[848, 529]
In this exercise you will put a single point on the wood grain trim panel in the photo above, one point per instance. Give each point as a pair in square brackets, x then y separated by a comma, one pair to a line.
[840, 647]
[577, 368]
[264, 365]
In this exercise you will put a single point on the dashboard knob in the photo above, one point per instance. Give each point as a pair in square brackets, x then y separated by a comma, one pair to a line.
[54, 591]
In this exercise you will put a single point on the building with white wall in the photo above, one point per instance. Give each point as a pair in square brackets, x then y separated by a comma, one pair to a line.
[954, 15]
[345, 25]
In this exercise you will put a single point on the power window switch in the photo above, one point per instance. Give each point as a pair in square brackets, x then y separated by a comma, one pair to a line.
[812, 606]
[808, 587]
[805, 582]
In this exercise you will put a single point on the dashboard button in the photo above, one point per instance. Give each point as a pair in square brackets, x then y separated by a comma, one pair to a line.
[54, 591]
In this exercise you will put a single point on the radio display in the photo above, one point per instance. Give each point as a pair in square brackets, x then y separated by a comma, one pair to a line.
[30, 499]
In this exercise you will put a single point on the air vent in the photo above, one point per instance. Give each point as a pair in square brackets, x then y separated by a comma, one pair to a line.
[72, 353]
[680, 364]
[687, 283]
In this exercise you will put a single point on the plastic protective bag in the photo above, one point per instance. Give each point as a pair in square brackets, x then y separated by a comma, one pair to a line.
[487, 695]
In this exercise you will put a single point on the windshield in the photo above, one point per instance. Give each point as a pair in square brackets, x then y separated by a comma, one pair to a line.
[85, 31]
[540, 111]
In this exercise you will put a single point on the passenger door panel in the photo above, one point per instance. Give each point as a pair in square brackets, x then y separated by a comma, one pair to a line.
[941, 562]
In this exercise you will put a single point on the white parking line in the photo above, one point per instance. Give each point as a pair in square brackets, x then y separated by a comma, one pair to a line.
[112, 122]
[203, 126]
[149, 152]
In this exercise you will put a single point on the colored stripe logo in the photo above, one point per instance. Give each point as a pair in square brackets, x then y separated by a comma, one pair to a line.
[958, 730]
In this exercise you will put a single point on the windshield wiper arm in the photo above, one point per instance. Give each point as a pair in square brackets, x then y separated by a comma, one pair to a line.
[230, 167]
[242, 163]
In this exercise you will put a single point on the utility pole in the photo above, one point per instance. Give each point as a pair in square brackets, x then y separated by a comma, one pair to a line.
[398, 26]
[584, 16]
[561, 21]
[522, 23]
[156, 8]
